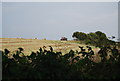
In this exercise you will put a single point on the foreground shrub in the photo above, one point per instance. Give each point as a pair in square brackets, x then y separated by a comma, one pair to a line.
[50, 65]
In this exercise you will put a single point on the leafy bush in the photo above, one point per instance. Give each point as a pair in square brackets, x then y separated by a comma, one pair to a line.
[50, 65]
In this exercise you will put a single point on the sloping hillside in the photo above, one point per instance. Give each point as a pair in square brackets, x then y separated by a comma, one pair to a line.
[30, 45]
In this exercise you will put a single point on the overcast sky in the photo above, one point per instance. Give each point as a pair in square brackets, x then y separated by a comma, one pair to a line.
[0, 19]
[53, 20]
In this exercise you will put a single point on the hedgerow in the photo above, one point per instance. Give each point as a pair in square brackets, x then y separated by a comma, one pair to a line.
[49, 65]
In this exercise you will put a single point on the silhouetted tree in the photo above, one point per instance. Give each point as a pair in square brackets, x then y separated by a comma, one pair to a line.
[79, 35]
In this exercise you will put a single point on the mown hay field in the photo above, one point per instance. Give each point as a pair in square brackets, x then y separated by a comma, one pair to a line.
[33, 45]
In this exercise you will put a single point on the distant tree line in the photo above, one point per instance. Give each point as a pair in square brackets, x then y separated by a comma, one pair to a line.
[98, 39]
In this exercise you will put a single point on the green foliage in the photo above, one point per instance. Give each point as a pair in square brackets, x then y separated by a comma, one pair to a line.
[97, 39]
[79, 35]
[50, 65]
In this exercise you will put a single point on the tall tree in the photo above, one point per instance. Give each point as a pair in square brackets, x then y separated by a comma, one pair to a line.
[79, 35]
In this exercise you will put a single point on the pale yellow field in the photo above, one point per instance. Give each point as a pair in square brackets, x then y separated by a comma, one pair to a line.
[30, 45]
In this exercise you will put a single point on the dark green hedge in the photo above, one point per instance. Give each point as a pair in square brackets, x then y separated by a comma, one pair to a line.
[50, 65]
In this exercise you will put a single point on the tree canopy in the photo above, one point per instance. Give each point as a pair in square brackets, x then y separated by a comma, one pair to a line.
[97, 39]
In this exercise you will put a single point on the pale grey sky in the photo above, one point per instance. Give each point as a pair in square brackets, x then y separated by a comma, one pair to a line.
[0, 19]
[52, 20]
[59, 0]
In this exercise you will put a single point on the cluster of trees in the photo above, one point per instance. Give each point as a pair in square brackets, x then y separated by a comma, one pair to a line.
[49, 65]
[98, 39]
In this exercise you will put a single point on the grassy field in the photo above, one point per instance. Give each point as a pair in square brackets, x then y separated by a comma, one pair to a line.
[33, 45]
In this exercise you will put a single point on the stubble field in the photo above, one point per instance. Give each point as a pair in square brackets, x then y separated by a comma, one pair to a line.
[33, 45]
